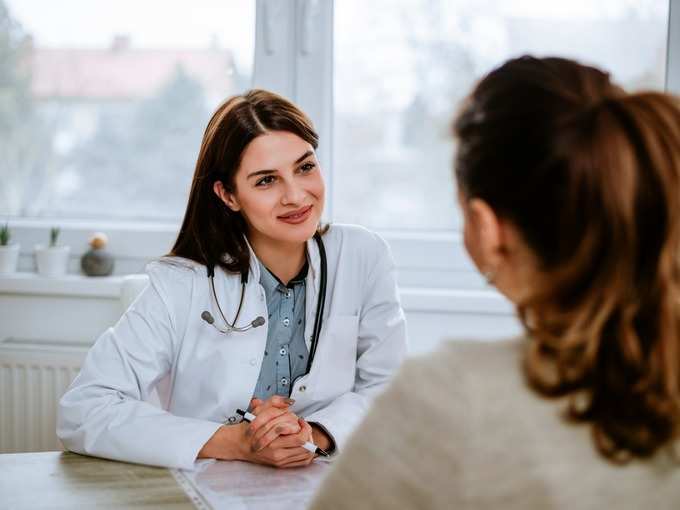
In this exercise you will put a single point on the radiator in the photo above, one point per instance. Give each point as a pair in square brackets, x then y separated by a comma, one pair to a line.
[33, 377]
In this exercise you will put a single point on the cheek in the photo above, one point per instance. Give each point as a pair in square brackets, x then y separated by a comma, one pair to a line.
[318, 188]
[256, 206]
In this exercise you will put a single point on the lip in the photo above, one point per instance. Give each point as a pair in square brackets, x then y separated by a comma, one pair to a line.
[295, 217]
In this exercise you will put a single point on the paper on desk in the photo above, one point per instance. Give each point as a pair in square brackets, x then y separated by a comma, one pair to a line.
[241, 485]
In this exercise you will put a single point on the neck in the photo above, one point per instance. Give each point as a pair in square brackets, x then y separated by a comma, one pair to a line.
[283, 259]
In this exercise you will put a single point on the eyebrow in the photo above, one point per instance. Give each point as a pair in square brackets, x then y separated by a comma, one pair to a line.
[267, 172]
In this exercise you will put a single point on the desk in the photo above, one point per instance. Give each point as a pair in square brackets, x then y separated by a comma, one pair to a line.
[64, 480]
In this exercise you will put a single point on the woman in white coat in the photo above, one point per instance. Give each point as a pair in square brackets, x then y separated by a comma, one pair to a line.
[250, 256]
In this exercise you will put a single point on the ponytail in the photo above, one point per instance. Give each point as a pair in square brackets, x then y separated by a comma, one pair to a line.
[593, 183]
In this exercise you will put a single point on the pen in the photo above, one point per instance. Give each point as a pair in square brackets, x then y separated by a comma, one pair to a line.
[309, 446]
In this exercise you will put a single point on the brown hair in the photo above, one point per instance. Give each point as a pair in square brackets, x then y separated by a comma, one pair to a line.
[211, 233]
[590, 176]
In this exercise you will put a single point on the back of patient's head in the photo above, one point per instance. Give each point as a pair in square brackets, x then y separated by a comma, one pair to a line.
[589, 175]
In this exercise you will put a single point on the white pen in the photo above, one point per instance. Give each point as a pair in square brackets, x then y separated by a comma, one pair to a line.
[309, 446]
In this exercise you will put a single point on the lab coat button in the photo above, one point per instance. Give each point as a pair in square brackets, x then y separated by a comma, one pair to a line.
[286, 321]
[284, 381]
[253, 361]
[303, 389]
[282, 351]
[231, 419]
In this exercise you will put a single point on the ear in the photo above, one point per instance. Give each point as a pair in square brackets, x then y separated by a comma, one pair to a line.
[484, 235]
[228, 198]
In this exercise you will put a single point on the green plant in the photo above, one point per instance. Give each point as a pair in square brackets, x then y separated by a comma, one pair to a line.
[54, 235]
[5, 235]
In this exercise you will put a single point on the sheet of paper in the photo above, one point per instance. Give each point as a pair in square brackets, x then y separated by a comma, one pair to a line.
[238, 485]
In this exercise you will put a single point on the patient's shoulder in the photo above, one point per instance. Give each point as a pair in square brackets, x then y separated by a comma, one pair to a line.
[455, 359]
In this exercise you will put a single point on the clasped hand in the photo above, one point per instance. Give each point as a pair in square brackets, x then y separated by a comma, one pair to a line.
[276, 435]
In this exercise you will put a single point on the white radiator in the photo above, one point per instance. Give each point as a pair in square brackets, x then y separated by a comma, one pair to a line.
[33, 377]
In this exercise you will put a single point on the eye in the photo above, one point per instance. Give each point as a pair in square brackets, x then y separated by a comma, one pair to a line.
[267, 179]
[307, 167]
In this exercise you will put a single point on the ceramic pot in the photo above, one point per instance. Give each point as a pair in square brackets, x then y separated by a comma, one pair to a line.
[97, 262]
[52, 260]
[9, 256]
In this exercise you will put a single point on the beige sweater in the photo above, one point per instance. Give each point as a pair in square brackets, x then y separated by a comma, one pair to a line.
[460, 429]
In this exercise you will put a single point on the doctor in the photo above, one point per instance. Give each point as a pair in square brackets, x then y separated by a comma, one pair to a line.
[257, 307]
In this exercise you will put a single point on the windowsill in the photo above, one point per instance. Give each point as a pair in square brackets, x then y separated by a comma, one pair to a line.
[413, 299]
[67, 285]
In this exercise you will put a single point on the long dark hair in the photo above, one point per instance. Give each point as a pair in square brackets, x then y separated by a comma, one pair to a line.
[590, 176]
[211, 233]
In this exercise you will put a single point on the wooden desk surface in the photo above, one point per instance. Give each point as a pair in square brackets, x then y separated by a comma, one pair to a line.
[64, 480]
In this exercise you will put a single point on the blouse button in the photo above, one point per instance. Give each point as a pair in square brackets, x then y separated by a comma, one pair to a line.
[284, 381]
[286, 321]
[282, 351]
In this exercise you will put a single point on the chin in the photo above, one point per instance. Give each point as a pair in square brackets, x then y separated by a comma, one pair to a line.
[296, 233]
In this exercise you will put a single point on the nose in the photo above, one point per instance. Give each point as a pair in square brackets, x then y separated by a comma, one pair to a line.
[293, 193]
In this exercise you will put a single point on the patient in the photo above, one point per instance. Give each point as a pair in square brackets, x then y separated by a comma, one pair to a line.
[570, 189]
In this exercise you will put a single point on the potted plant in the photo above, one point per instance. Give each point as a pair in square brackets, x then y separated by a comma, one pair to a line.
[52, 260]
[9, 253]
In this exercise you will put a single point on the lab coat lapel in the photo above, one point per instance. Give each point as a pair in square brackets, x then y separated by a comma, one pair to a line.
[312, 289]
[254, 266]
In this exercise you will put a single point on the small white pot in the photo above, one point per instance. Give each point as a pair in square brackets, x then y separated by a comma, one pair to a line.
[52, 260]
[9, 256]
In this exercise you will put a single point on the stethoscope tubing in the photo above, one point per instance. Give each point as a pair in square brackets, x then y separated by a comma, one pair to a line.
[320, 304]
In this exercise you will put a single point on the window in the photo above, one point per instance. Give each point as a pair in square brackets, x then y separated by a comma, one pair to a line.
[102, 132]
[402, 67]
[111, 102]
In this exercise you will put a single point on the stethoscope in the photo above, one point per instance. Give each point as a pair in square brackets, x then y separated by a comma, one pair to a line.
[259, 320]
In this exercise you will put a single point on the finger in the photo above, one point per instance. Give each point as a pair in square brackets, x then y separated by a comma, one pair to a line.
[284, 424]
[280, 455]
[272, 435]
[270, 431]
[280, 401]
[305, 430]
[277, 401]
[297, 460]
[255, 403]
[287, 441]
[265, 416]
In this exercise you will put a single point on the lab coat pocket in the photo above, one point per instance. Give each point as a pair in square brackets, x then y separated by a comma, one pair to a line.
[338, 352]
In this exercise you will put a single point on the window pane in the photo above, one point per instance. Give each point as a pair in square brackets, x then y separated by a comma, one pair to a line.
[402, 67]
[104, 103]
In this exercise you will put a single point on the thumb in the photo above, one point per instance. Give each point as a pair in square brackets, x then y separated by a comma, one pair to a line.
[255, 402]
[305, 427]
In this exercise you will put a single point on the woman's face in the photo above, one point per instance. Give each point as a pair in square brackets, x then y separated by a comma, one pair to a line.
[278, 188]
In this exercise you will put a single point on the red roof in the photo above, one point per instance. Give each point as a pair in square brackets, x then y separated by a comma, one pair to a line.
[125, 73]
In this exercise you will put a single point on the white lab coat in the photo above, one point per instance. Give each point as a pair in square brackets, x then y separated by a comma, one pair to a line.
[202, 376]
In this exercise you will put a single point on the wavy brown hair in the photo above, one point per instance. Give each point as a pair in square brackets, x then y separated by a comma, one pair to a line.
[211, 233]
[590, 176]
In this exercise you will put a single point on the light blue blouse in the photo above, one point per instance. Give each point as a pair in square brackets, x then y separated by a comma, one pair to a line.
[286, 354]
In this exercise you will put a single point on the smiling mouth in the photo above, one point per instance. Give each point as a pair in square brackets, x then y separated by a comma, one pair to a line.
[296, 215]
